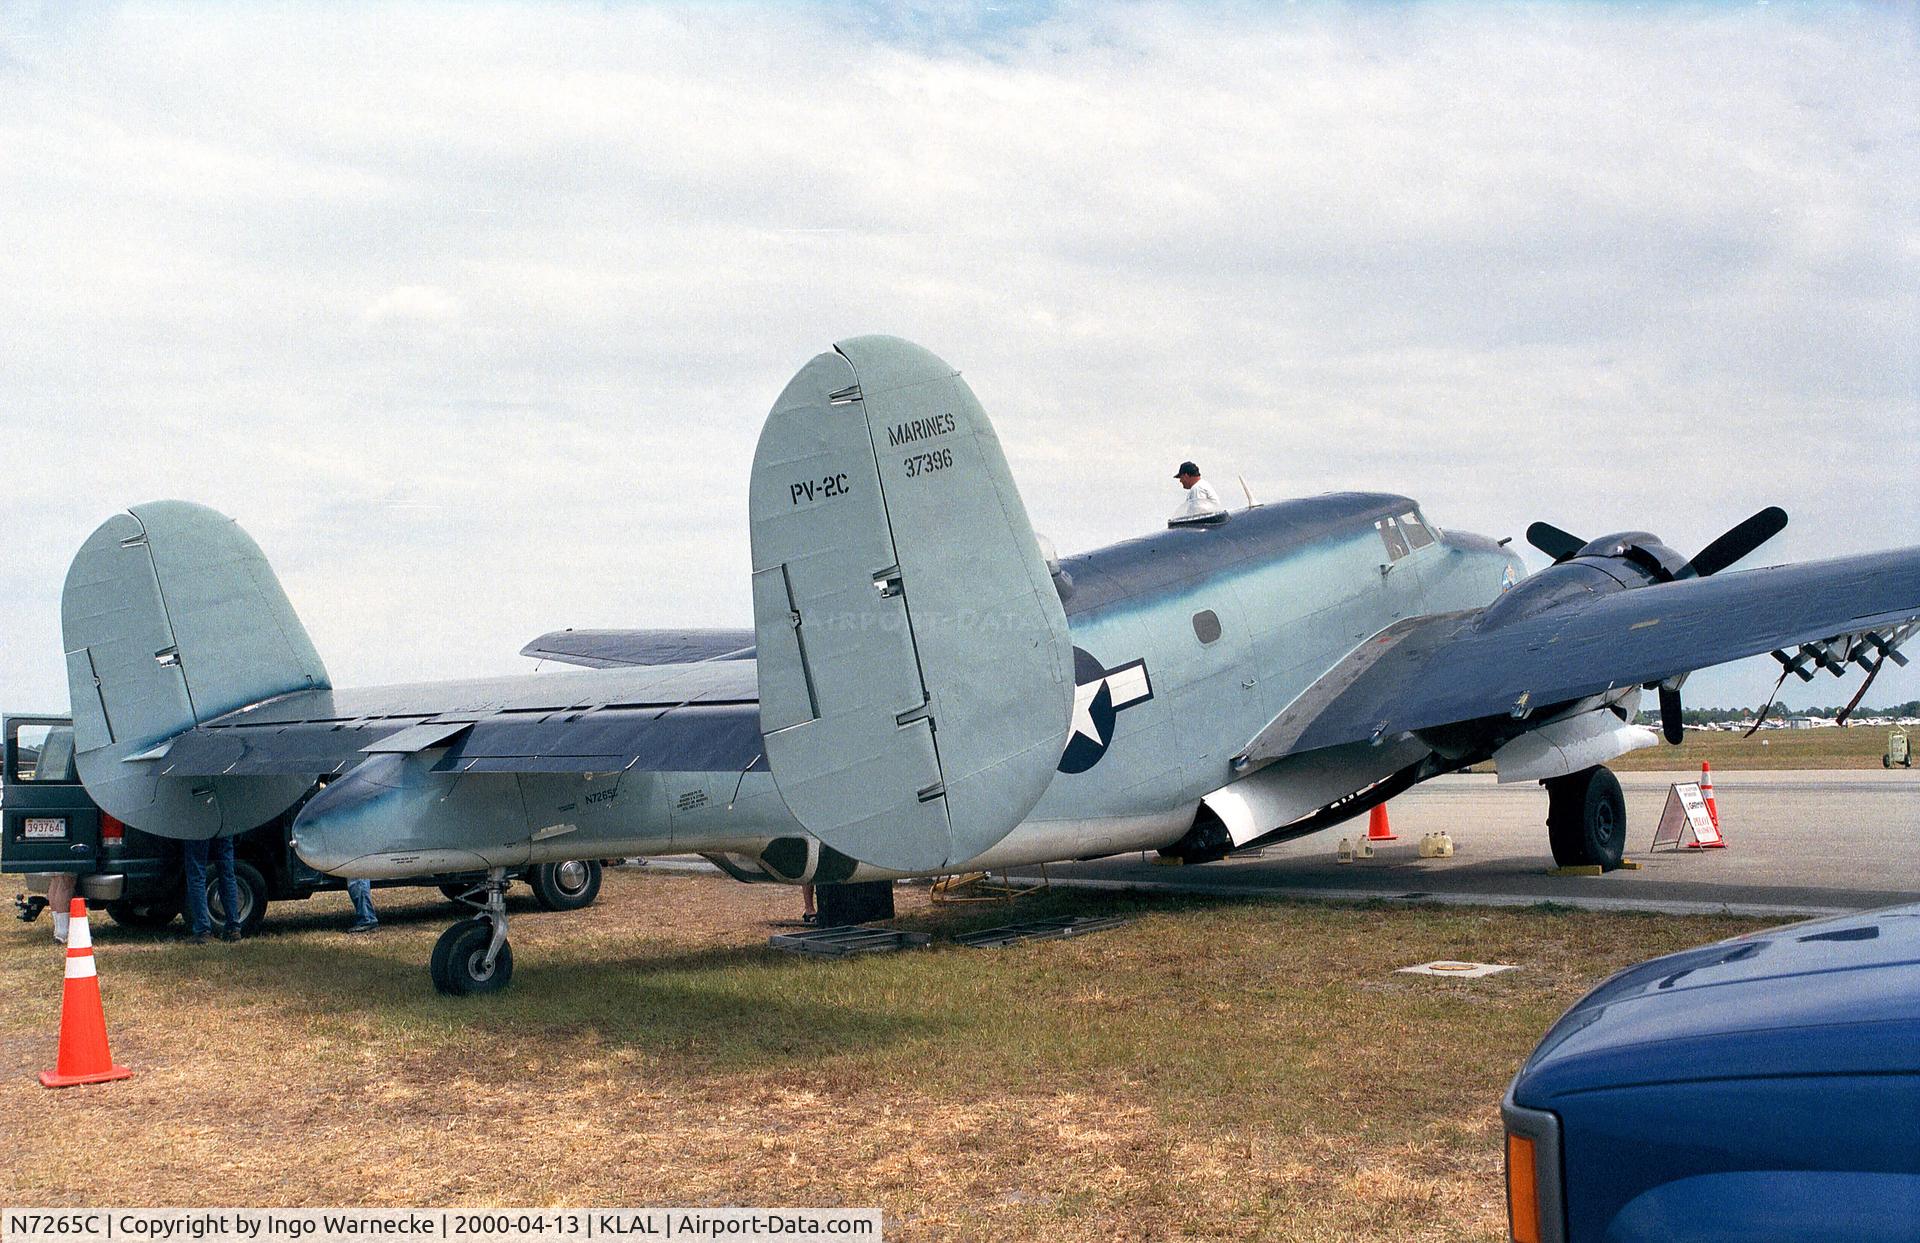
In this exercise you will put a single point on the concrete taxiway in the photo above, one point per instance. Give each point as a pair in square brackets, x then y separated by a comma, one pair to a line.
[1800, 843]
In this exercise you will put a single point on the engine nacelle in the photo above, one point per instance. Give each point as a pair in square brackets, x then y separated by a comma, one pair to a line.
[1616, 562]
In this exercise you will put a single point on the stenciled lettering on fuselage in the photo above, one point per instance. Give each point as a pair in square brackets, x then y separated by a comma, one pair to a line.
[1099, 695]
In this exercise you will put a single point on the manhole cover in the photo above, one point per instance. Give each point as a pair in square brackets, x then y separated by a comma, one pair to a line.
[1458, 969]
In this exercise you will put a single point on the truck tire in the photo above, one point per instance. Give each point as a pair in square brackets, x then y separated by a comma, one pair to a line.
[565, 886]
[146, 916]
[253, 897]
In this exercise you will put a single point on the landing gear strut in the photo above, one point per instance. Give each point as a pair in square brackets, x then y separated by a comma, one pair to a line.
[1587, 819]
[473, 956]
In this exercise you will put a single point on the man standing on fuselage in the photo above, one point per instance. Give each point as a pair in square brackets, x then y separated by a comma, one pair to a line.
[1200, 504]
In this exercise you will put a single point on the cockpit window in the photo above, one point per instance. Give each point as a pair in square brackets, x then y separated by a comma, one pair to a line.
[1404, 535]
[1391, 535]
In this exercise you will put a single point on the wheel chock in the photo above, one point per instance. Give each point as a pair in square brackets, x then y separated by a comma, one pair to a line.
[1594, 869]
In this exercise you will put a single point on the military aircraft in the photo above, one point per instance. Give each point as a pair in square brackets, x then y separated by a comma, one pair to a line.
[925, 691]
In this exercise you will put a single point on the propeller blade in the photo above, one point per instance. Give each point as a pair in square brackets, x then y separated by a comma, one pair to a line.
[1737, 543]
[1553, 541]
[1670, 714]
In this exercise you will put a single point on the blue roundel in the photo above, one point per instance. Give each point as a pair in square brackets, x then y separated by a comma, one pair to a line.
[1099, 695]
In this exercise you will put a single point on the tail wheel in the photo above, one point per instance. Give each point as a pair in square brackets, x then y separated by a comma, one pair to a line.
[565, 886]
[459, 963]
[1587, 819]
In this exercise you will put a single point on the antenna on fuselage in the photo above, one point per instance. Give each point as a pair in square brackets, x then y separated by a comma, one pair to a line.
[1246, 489]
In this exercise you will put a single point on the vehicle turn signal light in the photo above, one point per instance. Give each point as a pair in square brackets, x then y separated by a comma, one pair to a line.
[1523, 1191]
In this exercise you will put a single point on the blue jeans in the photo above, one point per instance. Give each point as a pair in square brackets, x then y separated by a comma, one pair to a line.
[361, 891]
[199, 919]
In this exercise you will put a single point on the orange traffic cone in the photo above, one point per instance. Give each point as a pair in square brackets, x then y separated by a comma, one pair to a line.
[1378, 830]
[1719, 841]
[84, 1057]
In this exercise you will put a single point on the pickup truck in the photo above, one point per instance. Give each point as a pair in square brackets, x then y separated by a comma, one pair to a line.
[48, 825]
[1765, 1088]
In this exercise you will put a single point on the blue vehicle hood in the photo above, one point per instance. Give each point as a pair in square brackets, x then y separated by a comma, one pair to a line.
[1836, 996]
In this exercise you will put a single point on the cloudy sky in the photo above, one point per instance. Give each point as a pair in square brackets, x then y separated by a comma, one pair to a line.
[471, 315]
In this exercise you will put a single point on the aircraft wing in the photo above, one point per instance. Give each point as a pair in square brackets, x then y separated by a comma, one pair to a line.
[1451, 669]
[665, 718]
[614, 649]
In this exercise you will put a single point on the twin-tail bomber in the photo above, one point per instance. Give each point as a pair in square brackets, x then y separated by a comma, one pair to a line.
[924, 691]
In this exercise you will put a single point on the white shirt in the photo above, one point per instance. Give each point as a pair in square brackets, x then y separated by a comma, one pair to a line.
[1200, 502]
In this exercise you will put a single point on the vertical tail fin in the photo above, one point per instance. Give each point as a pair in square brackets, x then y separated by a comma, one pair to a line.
[171, 616]
[916, 677]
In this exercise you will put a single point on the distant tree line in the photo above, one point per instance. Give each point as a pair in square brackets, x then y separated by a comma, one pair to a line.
[1710, 716]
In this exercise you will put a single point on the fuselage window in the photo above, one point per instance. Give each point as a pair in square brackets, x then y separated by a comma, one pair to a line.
[1396, 542]
[1415, 530]
[1206, 626]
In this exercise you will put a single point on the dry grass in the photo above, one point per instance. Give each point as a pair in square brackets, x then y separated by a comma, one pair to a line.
[1211, 1070]
[1857, 746]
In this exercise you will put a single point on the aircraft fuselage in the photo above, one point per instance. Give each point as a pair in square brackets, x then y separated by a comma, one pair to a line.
[1186, 643]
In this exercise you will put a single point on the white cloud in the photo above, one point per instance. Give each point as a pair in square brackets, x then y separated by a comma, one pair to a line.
[417, 304]
[471, 314]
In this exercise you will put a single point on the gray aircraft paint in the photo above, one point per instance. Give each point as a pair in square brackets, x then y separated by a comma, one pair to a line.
[1145, 788]
[203, 704]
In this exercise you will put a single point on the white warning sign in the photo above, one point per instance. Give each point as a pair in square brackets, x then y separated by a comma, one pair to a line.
[1685, 822]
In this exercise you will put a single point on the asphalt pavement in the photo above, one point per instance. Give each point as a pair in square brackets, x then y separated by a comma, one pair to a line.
[1799, 843]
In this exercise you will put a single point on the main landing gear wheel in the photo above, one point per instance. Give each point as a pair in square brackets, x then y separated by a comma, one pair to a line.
[1587, 819]
[565, 886]
[473, 956]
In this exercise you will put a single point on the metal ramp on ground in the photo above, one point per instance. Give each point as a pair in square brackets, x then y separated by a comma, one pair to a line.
[848, 941]
[1040, 930]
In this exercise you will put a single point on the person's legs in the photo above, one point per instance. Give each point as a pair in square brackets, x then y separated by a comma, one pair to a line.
[60, 901]
[229, 884]
[199, 921]
[361, 891]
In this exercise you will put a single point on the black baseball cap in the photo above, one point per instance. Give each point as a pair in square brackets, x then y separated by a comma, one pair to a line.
[1186, 468]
